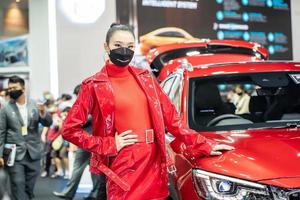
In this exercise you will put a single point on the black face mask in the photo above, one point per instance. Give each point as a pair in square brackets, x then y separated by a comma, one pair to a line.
[15, 94]
[121, 56]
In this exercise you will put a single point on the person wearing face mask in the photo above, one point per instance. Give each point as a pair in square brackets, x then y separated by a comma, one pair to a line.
[130, 113]
[19, 122]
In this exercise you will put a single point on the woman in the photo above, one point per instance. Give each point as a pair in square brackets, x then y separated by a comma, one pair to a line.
[130, 113]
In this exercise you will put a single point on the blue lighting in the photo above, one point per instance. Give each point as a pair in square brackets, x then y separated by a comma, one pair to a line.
[269, 3]
[220, 35]
[245, 2]
[246, 36]
[271, 49]
[245, 17]
[220, 15]
[247, 86]
[222, 87]
[271, 37]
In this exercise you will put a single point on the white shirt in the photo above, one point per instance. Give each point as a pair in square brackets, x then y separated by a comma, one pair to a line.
[24, 112]
[242, 106]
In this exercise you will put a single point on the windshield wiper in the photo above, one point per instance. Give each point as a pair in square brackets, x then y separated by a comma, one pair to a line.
[292, 125]
[279, 126]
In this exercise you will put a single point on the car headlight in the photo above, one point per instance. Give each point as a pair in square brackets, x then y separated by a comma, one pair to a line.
[215, 186]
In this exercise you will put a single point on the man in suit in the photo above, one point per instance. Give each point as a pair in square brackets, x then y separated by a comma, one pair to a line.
[19, 122]
[81, 161]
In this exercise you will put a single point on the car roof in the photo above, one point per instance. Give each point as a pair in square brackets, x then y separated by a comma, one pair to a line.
[243, 67]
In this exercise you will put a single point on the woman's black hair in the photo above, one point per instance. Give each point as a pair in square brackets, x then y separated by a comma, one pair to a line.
[117, 27]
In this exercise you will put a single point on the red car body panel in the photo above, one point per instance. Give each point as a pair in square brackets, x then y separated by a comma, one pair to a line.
[266, 156]
[185, 188]
[207, 58]
[234, 68]
[204, 60]
[272, 153]
[203, 43]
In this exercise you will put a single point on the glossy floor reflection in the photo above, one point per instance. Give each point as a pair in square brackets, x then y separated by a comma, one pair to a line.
[45, 187]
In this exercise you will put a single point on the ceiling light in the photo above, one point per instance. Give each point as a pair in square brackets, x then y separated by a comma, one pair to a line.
[84, 12]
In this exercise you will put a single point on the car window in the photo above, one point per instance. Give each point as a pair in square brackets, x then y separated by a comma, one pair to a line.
[167, 84]
[176, 99]
[243, 101]
[173, 88]
[171, 34]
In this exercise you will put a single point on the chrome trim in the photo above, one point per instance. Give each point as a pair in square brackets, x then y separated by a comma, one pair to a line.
[205, 174]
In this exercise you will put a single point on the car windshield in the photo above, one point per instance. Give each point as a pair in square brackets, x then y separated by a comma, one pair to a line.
[244, 101]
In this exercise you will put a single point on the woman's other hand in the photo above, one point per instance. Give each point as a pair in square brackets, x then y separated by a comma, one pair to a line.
[124, 139]
[217, 149]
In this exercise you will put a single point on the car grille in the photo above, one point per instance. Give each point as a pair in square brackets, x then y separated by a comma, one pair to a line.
[294, 196]
[284, 194]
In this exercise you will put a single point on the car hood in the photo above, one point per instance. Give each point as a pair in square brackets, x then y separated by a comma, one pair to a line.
[258, 155]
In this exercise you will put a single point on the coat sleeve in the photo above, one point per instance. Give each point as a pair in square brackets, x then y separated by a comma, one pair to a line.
[3, 125]
[76, 119]
[195, 144]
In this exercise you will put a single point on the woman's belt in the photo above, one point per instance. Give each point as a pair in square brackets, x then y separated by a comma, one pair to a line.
[146, 136]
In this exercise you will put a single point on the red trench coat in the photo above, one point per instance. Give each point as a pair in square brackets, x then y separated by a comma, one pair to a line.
[96, 98]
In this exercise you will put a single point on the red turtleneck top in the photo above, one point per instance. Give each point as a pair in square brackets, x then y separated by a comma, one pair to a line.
[131, 105]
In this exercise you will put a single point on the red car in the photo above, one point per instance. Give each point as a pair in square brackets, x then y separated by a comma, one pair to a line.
[164, 60]
[253, 106]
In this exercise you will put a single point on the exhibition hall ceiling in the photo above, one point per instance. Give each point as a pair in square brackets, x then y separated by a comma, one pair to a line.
[4, 4]
[14, 19]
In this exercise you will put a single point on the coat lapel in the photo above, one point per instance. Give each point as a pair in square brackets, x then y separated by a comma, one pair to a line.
[31, 112]
[17, 112]
[145, 80]
[106, 102]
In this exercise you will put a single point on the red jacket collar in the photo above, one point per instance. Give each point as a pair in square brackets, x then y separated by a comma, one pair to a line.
[102, 74]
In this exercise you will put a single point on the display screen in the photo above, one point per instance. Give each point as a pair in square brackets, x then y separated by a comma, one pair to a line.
[267, 22]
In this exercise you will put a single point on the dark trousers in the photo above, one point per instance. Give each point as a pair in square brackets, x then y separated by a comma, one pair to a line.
[81, 161]
[47, 157]
[23, 177]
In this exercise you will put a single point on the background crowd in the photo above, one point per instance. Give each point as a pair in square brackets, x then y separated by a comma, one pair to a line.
[58, 155]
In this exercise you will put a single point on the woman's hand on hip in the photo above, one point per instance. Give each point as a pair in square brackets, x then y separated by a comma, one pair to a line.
[217, 149]
[124, 139]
